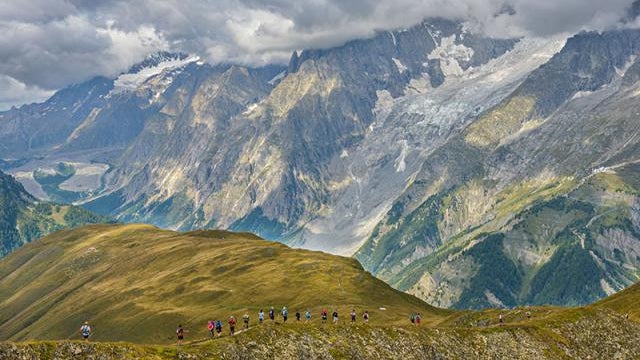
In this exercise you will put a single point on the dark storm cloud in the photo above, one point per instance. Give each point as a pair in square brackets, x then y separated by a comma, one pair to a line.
[47, 44]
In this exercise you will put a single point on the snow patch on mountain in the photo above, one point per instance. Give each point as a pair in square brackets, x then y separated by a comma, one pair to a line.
[250, 109]
[418, 86]
[621, 72]
[383, 104]
[581, 94]
[399, 65]
[131, 81]
[400, 163]
[450, 55]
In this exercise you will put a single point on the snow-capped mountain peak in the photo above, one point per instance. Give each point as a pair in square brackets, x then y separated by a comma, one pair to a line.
[153, 65]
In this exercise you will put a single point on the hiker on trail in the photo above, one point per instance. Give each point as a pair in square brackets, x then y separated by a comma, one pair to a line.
[85, 330]
[232, 325]
[219, 327]
[245, 319]
[211, 326]
[261, 316]
[335, 316]
[272, 314]
[353, 315]
[285, 313]
[501, 319]
[307, 316]
[413, 318]
[528, 313]
[365, 316]
[180, 334]
[298, 315]
[324, 315]
[418, 319]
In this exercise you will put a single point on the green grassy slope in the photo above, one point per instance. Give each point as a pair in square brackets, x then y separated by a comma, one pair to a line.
[136, 283]
[625, 302]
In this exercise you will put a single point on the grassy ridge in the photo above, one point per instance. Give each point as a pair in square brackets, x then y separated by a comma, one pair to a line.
[625, 302]
[136, 283]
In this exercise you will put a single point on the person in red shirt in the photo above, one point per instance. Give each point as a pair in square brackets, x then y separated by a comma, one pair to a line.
[211, 326]
[232, 325]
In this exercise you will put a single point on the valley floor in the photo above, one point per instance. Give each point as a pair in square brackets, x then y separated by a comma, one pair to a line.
[550, 334]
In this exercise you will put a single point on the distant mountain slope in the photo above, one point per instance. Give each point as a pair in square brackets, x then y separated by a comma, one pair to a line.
[536, 202]
[269, 150]
[136, 283]
[23, 219]
[36, 128]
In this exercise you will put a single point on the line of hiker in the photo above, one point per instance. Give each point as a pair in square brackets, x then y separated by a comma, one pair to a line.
[215, 327]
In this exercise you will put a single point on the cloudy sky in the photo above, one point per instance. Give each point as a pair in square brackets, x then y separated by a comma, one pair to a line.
[48, 44]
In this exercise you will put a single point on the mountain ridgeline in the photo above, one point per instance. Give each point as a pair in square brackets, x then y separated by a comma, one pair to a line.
[468, 171]
[135, 283]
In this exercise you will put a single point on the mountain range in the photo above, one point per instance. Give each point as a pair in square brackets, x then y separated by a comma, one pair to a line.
[466, 170]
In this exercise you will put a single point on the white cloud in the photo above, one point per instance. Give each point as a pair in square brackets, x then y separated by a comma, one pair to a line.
[14, 92]
[48, 44]
[128, 47]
